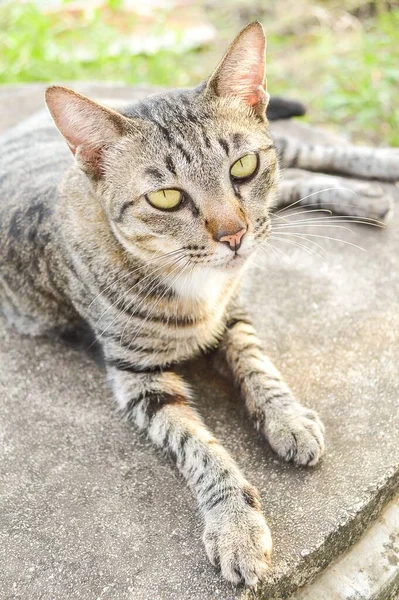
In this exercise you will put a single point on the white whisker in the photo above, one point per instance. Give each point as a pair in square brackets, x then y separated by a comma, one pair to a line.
[336, 219]
[345, 189]
[278, 250]
[298, 235]
[308, 224]
[129, 273]
[169, 287]
[301, 212]
[303, 247]
[325, 237]
[155, 283]
[140, 281]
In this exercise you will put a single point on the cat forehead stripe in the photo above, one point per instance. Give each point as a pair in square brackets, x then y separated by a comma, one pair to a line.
[170, 165]
[154, 172]
[224, 144]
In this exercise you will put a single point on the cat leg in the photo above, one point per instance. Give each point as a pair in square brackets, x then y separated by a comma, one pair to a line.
[294, 432]
[357, 161]
[343, 196]
[236, 535]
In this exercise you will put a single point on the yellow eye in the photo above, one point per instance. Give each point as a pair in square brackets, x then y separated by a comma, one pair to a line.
[165, 199]
[244, 167]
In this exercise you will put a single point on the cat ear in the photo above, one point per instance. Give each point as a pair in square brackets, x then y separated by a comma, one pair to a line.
[88, 127]
[241, 72]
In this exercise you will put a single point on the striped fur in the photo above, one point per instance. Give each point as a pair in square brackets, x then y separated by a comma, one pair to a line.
[294, 432]
[356, 161]
[80, 243]
[343, 196]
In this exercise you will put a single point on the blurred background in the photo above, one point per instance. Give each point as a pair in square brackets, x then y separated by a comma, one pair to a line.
[340, 58]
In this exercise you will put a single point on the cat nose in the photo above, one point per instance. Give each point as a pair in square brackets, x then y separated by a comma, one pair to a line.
[231, 239]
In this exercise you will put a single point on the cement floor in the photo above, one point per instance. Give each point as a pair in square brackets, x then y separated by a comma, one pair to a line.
[88, 509]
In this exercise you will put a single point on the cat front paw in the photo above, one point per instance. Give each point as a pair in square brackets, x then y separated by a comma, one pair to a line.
[238, 541]
[296, 434]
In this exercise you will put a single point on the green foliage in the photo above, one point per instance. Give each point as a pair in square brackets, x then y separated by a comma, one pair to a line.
[40, 47]
[346, 76]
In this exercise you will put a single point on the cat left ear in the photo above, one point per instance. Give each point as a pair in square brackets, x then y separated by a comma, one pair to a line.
[241, 72]
[88, 127]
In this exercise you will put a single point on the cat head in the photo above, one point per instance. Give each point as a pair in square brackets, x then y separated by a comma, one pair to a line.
[186, 174]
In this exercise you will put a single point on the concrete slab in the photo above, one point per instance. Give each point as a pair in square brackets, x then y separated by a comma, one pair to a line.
[88, 509]
[368, 571]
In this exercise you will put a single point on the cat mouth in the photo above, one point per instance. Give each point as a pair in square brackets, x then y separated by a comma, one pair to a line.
[235, 261]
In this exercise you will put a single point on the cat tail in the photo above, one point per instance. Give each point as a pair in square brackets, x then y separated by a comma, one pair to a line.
[283, 108]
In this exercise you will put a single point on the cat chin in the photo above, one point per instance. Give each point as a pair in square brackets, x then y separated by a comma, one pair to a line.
[235, 263]
[230, 269]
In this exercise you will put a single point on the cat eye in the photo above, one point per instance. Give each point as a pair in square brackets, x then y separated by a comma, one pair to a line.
[165, 199]
[244, 167]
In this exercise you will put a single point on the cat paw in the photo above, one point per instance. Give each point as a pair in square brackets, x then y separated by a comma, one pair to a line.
[238, 541]
[296, 434]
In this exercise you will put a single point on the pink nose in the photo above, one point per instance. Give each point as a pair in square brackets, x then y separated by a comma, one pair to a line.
[233, 240]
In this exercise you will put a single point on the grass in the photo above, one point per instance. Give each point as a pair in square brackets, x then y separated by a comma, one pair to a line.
[348, 78]
[38, 47]
[344, 64]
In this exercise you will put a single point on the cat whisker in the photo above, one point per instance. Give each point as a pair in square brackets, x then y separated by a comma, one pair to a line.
[272, 248]
[264, 267]
[307, 224]
[152, 277]
[301, 212]
[123, 311]
[336, 219]
[335, 188]
[353, 218]
[345, 189]
[154, 280]
[277, 250]
[304, 246]
[140, 281]
[126, 308]
[130, 273]
[298, 235]
[155, 283]
[325, 237]
[168, 288]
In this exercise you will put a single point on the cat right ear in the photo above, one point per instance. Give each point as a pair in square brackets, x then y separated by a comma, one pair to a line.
[88, 127]
[241, 72]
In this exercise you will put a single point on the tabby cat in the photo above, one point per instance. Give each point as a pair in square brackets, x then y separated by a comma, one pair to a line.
[145, 237]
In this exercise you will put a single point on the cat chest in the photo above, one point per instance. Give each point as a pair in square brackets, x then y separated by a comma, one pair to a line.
[167, 325]
[171, 335]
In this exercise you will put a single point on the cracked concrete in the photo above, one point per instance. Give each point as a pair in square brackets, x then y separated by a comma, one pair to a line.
[88, 509]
